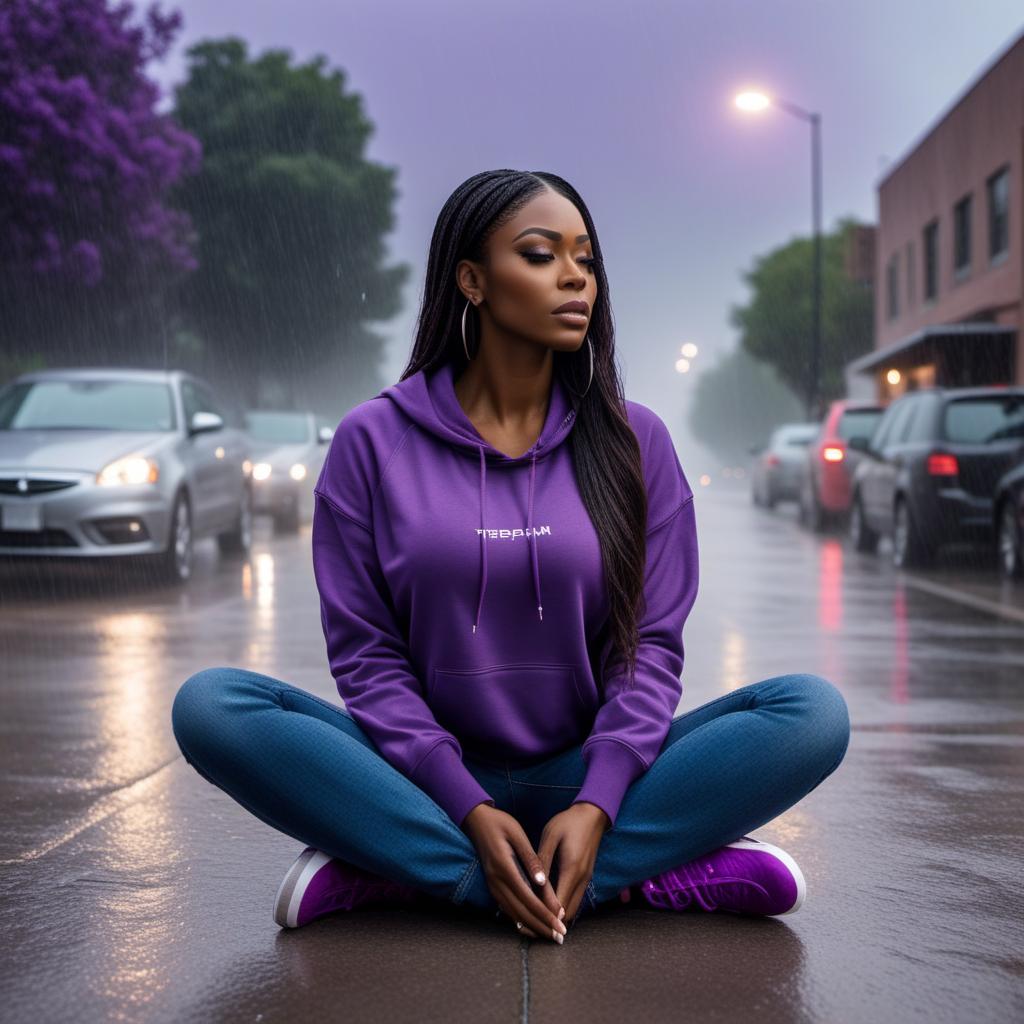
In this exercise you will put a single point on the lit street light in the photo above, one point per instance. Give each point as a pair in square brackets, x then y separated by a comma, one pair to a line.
[756, 101]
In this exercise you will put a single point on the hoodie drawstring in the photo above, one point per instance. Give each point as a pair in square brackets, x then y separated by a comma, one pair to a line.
[483, 536]
[531, 541]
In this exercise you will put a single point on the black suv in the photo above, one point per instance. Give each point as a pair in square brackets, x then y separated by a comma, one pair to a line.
[932, 465]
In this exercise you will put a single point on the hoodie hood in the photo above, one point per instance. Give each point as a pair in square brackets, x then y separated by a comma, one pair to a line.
[428, 398]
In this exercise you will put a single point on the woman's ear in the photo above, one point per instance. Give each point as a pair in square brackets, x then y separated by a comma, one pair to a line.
[469, 281]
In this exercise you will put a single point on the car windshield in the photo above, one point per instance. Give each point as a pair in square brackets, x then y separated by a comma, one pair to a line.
[87, 405]
[858, 423]
[278, 427]
[979, 420]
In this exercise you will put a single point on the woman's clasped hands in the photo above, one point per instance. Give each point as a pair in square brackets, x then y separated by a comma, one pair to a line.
[519, 878]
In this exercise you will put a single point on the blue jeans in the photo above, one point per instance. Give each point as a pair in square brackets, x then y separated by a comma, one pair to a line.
[306, 768]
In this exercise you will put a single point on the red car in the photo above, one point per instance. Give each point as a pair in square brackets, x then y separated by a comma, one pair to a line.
[825, 485]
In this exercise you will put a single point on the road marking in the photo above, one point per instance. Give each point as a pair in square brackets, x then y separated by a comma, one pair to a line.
[971, 600]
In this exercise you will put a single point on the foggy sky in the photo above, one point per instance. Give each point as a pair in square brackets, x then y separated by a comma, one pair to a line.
[633, 105]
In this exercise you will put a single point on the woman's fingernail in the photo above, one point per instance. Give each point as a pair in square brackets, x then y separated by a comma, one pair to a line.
[561, 913]
[562, 928]
[540, 877]
[557, 937]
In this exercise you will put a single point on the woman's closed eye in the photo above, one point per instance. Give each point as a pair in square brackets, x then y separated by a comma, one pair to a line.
[545, 257]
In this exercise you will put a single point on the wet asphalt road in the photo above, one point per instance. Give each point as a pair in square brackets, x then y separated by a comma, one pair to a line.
[134, 890]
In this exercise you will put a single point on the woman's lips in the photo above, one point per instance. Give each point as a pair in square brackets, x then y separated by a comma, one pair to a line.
[575, 319]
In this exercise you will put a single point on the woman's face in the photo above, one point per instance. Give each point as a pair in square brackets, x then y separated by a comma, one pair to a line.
[537, 262]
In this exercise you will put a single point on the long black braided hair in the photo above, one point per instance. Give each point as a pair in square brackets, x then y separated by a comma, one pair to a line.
[605, 450]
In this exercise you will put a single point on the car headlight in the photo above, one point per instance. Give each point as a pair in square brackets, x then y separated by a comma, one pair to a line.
[261, 471]
[298, 471]
[131, 469]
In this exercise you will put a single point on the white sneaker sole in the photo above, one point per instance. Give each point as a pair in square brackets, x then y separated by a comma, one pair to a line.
[293, 886]
[749, 843]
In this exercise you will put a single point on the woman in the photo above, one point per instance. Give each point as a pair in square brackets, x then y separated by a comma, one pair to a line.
[505, 551]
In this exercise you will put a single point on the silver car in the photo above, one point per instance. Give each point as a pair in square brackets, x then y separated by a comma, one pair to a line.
[288, 450]
[778, 470]
[120, 462]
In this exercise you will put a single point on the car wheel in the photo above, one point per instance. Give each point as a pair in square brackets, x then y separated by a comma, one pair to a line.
[1011, 562]
[239, 540]
[862, 536]
[909, 549]
[174, 563]
[768, 499]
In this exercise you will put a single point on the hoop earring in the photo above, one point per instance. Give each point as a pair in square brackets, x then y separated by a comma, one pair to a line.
[590, 379]
[464, 346]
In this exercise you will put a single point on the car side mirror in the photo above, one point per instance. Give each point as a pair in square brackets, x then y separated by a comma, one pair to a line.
[203, 422]
[324, 435]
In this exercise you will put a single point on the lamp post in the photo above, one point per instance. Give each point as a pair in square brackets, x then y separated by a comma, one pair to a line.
[758, 101]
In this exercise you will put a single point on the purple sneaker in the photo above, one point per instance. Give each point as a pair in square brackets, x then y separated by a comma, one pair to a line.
[318, 884]
[744, 877]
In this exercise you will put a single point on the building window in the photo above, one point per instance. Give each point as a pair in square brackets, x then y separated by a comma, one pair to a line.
[931, 261]
[892, 285]
[998, 188]
[910, 275]
[962, 237]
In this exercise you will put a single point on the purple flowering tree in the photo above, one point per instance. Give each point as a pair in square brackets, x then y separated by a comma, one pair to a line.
[86, 160]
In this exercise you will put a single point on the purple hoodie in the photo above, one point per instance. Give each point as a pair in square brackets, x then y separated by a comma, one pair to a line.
[462, 591]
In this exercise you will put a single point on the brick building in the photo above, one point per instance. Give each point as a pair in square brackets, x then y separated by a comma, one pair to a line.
[949, 274]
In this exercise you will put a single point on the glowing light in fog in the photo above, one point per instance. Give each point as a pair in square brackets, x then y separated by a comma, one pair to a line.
[689, 350]
[682, 366]
[752, 101]
[893, 376]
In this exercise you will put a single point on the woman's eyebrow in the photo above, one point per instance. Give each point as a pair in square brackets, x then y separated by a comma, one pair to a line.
[553, 235]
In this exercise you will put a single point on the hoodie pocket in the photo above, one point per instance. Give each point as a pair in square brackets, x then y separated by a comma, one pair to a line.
[510, 711]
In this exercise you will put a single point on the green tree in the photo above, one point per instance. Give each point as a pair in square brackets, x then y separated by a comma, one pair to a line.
[291, 218]
[776, 326]
[737, 403]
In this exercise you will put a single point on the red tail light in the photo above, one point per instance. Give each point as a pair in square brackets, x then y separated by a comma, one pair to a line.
[942, 464]
[832, 453]
[771, 459]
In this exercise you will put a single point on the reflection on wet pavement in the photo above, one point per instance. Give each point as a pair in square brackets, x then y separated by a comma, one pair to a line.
[134, 890]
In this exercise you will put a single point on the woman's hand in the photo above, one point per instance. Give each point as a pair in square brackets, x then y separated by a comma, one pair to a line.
[503, 846]
[576, 833]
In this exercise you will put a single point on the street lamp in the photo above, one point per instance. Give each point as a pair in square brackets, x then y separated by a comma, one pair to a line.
[688, 352]
[755, 101]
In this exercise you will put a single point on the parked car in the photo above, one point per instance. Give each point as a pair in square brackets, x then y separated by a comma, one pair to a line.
[1008, 519]
[776, 473]
[96, 463]
[288, 451]
[825, 483]
[933, 463]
